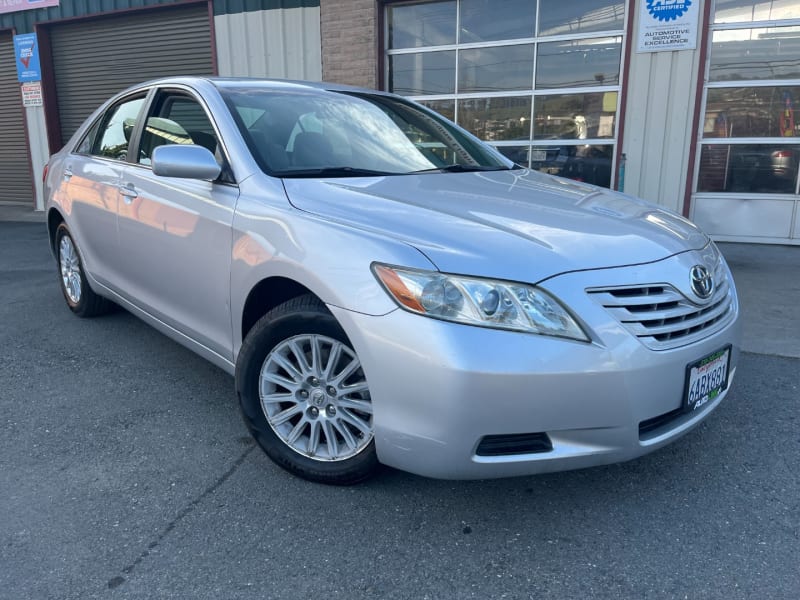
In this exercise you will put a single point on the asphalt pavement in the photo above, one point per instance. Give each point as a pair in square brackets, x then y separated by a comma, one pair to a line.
[126, 472]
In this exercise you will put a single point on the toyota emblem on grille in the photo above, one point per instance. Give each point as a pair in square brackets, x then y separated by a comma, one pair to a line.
[702, 282]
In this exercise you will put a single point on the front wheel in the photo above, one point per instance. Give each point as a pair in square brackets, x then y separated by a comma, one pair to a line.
[304, 395]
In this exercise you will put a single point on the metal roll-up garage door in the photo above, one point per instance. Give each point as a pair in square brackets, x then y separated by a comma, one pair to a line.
[92, 60]
[15, 170]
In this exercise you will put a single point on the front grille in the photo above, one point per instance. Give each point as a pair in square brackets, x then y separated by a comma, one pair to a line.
[519, 443]
[663, 318]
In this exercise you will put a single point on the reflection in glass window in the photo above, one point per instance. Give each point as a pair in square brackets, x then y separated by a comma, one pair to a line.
[423, 73]
[495, 69]
[590, 164]
[748, 168]
[499, 67]
[118, 128]
[560, 17]
[752, 112]
[416, 25]
[747, 11]
[446, 108]
[755, 54]
[489, 20]
[575, 116]
[579, 63]
[519, 154]
[496, 118]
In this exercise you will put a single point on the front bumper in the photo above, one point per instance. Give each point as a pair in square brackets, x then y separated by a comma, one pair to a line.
[439, 388]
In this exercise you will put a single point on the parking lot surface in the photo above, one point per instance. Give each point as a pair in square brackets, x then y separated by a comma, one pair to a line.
[126, 472]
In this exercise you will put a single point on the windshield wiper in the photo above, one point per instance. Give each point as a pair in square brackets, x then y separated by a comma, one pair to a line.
[333, 172]
[464, 169]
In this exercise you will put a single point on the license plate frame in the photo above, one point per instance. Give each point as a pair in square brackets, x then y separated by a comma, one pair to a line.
[698, 393]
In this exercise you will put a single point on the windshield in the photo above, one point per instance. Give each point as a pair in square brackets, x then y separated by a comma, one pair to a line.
[307, 133]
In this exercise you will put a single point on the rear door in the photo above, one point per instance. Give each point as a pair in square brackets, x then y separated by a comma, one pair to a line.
[89, 186]
[175, 234]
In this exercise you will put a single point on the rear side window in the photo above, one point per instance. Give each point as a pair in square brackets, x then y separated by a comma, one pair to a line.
[116, 130]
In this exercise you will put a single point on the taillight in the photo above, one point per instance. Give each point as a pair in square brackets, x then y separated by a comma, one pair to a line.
[44, 172]
[782, 154]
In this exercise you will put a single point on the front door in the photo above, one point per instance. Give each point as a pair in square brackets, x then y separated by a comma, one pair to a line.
[175, 234]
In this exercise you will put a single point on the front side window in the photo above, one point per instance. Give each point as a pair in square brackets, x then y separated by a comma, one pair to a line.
[297, 134]
[176, 119]
[530, 77]
[117, 127]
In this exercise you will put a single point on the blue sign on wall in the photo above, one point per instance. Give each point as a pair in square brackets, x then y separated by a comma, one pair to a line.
[26, 50]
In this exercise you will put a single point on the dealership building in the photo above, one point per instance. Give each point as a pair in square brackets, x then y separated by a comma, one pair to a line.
[692, 104]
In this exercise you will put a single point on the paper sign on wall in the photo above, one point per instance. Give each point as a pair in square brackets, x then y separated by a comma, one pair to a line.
[667, 25]
[32, 93]
[26, 50]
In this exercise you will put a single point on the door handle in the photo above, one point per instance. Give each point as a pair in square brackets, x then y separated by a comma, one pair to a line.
[67, 174]
[128, 193]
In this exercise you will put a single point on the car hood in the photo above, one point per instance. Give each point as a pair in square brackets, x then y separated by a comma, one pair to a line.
[518, 224]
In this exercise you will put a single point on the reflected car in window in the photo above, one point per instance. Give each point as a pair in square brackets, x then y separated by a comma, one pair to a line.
[387, 289]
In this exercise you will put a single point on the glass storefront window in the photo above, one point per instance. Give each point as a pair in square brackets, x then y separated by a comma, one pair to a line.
[426, 24]
[423, 73]
[519, 154]
[580, 16]
[502, 76]
[747, 11]
[579, 63]
[575, 116]
[493, 119]
[446, 108]
[752, 112]
[748, 168]
[590, 164]
[755, 54]
[489, 21]
[495, 69]
[753, 94]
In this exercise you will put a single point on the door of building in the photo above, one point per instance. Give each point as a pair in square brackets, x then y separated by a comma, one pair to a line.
[95, 58]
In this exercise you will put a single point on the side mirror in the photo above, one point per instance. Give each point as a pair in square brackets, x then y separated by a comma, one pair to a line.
[185, 160]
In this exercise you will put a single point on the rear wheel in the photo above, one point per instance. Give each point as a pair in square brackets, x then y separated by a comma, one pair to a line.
[80, 298]
[304, 394]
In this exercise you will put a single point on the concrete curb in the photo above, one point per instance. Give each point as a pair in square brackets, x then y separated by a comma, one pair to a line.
[21, 212]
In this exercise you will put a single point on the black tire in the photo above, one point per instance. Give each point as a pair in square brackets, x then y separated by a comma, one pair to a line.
[296, 320]
[81, 299]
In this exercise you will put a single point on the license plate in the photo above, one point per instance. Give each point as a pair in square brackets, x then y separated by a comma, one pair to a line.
[706, 379]
[538, 155]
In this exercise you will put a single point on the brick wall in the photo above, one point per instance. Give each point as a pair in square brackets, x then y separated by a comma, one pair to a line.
[349, 31]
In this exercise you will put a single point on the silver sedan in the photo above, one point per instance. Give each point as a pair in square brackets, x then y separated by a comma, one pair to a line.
[385, 287]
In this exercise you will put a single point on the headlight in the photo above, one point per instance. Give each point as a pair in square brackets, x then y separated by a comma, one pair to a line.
[477, 301]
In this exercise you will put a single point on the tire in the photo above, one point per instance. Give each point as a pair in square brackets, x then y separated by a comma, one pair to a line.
[80, 298]
[311, 415]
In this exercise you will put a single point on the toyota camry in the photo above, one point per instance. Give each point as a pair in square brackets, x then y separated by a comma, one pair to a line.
[387, 289]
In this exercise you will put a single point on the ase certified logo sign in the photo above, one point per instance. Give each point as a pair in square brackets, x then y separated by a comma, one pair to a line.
[668, 10]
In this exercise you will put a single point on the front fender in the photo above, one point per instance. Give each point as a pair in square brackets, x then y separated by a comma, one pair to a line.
[332, 260]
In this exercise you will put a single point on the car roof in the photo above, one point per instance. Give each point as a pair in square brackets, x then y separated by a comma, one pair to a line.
[261, 84]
